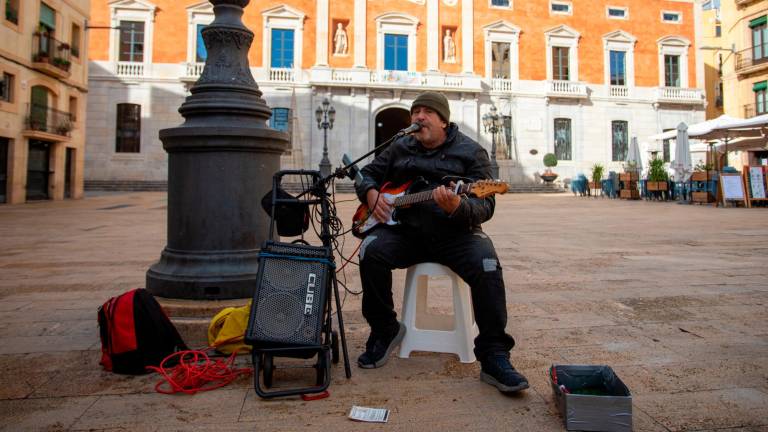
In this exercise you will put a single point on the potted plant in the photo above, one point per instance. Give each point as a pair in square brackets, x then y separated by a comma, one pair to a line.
[61, 63]
[657, 176]
[550, 161]
[597, 176]
[64, 127]
[702, 172]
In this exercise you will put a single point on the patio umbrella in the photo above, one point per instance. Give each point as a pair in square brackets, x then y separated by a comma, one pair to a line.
[633, 155]
[682, 162]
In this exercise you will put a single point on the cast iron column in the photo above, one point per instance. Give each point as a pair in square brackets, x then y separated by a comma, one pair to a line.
[220, 163]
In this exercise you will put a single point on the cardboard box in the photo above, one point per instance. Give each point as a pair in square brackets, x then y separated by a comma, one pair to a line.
[657, 185]
[702, 197]
[629, 194]
[591, 398]
[630, 176]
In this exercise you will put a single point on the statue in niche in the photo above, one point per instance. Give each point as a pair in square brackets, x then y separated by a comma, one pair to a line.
[449, 48]
[340, 40]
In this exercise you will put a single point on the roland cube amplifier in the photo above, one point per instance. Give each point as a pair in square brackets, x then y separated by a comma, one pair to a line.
[290, 297]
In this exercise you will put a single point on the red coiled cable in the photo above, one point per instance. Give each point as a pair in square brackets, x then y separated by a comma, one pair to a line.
[196, 372]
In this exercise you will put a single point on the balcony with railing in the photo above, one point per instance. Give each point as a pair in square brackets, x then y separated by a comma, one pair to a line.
[679, 95]
[192, 71]
[617, 91]
[753, 110]
[394, 79]
[50, 56]
[566, 89]
[125, 69]
[502, 85]
[752, 60]
[48, 123]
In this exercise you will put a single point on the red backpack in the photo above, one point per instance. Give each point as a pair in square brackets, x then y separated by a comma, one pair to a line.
[135, 333]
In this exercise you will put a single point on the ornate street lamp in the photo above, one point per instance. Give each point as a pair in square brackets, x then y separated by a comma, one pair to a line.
[325, 116]
[492, 123]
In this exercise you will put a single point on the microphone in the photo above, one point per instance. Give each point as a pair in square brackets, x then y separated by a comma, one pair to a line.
[410, 129]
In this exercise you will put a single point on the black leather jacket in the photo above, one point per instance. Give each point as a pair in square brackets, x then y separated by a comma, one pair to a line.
[406, 159]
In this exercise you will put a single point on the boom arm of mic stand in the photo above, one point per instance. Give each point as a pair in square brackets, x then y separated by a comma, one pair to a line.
[342, 171]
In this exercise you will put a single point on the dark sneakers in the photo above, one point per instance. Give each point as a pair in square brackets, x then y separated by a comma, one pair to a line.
[497, 371]
[378, 348]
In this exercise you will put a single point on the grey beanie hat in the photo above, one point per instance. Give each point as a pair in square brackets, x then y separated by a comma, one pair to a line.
[435, 101]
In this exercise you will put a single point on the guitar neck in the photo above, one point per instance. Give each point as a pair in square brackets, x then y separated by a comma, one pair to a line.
[420, 197]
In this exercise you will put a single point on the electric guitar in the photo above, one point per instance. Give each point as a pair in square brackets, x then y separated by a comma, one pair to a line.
[363, 220]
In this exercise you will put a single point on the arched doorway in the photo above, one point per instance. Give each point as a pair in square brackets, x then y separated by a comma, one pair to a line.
[389, 122]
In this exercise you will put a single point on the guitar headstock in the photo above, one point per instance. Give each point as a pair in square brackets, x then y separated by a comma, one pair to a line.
[484, 188]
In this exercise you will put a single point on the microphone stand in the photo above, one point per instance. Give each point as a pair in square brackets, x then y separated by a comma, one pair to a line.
[319, 188]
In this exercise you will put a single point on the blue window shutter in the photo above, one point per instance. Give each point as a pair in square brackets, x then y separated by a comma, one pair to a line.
[47, 16]
[201, 53]
[402, 53]
[282, 48]
[389, 52]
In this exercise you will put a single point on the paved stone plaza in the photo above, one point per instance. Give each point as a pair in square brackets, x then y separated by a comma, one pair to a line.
[673, 297]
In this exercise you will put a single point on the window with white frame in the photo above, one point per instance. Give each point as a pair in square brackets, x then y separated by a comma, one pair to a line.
[132, 30]
[619, 58]
[672, 17]
[198, 17]
[560, 7]
[395, 36]
[673, 61]
[283, 37]
[281, 119]
[131, 41]
[562, 53]
[501, 50]
[616, 12]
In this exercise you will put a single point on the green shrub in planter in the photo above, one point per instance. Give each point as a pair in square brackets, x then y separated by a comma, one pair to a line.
[550, 160]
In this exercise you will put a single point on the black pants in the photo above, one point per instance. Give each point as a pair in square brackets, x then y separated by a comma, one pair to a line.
[470, 255]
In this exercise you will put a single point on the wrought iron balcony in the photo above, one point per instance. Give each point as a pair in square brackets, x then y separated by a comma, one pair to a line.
[747, 62]
[49, 55]
[41, 118]
[679, 95]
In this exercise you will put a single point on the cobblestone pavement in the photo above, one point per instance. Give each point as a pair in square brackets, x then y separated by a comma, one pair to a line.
[673, 297]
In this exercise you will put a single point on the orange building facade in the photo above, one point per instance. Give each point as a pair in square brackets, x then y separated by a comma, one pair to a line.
[580, 79]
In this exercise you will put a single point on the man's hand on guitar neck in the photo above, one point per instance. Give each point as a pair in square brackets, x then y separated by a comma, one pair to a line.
[446, 198]
[378, 206]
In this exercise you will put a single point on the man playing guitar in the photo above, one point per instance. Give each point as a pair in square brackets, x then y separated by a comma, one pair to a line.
[445, 229]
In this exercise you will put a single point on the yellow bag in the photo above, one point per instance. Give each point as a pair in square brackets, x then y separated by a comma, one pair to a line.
[227, 329]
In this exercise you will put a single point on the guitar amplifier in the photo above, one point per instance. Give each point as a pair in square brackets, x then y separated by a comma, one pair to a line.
[290, 297]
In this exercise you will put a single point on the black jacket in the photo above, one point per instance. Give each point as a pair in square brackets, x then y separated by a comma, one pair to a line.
[406, 159]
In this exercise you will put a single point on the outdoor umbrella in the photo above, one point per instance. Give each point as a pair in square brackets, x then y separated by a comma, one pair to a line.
[682, 162]
[633, 155]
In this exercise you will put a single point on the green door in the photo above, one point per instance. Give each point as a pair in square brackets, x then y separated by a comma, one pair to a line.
[3, 169]
[37, 170]
[69, 172]
[38, 109]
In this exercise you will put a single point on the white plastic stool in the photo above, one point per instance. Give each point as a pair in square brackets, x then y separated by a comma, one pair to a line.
[441, 333]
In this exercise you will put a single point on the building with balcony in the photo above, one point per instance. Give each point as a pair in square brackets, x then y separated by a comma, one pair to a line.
[578, 79]
[43, 88]
[744, 49]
